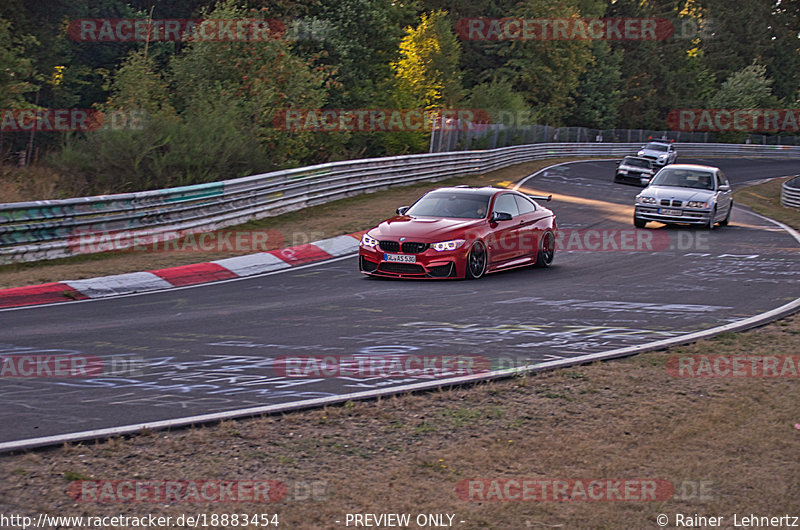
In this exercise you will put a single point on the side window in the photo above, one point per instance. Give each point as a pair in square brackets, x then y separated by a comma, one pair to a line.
[506, 203]
[721, 180]
[524, 205]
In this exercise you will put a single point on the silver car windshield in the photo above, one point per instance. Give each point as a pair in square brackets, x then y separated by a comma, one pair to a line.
[637, 162]
[684, 178]
[656, 147]
[450, 204]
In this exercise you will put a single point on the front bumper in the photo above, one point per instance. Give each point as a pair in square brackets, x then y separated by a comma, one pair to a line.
[691, 216]
[633, 177]
[656, 161]
[429, 264]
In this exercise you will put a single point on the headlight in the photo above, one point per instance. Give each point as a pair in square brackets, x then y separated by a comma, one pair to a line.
[368, 241]
[697, 204]
[646, 200]
[662, 157]
[640, 153]
[623, 171]
[447, 245]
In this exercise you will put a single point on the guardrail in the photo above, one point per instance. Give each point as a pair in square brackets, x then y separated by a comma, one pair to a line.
[790, 193]
[32, 231]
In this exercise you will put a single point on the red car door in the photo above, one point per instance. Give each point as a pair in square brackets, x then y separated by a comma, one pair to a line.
[504, 244]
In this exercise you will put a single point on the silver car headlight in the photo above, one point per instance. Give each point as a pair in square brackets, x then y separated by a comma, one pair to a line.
[623, 171]
[368, 241]
[697, 204]
[453, 244]
[640, 153]
[645, 200]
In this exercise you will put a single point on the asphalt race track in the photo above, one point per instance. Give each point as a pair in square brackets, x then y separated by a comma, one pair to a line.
[211, 348]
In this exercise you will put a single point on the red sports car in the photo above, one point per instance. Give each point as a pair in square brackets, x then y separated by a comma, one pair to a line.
[461, 232]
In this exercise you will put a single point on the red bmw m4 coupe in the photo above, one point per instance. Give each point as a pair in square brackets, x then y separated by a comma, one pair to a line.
[461, 232]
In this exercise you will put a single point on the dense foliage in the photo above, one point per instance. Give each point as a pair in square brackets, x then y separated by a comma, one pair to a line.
[194, 111]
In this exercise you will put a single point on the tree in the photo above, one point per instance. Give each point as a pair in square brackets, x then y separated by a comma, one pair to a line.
[749, 88]
[427, 72]
[597, 97]
[16, 68]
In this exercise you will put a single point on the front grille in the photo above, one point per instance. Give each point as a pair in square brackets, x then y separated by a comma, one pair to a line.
[367, 265]
[414, 248]
[667, 202]
[389, 246]
[401, 268]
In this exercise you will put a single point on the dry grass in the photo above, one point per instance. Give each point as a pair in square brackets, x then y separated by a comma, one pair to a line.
[766, 200]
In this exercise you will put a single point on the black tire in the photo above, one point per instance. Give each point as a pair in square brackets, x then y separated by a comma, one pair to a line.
[711, 222]
[547, 251]
[727, 219]
[639, 223]
[476, 261]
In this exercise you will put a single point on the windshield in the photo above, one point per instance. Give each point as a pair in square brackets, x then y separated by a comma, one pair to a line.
[637, 162]
[656, 147]
[450, 204]
[684, 178]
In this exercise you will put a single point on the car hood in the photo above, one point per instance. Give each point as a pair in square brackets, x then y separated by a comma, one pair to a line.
[653, 154]
[424, 229]
[636, 168]
[674, 192]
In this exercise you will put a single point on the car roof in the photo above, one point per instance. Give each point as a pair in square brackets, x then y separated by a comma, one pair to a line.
[659, 142]
[486, 191]
[692, 166]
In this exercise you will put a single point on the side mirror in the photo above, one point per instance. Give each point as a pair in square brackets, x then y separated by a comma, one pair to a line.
[725, 187]
[501, 216]
[402, 210]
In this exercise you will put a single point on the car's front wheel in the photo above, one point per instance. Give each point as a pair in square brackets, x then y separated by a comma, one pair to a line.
[639, 223]
[727, 219]
[476, 261]
[712, 220]
[547, 250]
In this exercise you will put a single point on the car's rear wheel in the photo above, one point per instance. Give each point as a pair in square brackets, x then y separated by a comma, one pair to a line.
[727, 219]
[639, 223]
[547, 250]
[476, 261]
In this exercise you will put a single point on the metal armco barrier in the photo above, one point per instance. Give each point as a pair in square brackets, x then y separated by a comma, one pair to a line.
[790, 193]
[40, 230]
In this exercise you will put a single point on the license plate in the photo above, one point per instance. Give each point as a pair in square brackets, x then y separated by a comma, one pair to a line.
[665, 211]
[400, 258]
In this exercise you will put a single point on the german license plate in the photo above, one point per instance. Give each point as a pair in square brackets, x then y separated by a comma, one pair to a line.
[400, 258]
[666, 211]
